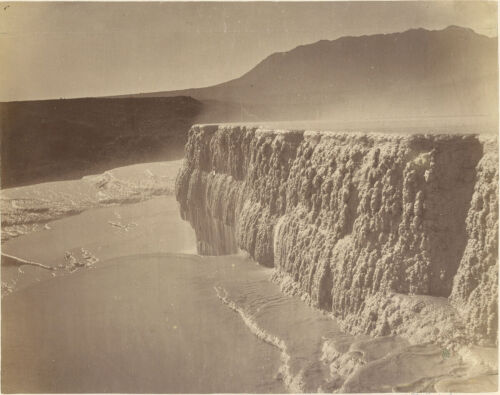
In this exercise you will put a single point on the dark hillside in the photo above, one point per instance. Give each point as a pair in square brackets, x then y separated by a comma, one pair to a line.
[59, 139]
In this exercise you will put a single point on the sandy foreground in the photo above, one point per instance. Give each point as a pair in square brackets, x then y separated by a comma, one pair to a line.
[125, 305]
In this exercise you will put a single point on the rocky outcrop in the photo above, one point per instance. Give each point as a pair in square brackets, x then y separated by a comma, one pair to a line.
[363, 225]
[475, 290]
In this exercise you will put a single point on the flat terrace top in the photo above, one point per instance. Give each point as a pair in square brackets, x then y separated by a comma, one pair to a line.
[405, 126]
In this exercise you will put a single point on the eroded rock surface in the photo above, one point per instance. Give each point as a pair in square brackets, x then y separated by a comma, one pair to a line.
[394, 234]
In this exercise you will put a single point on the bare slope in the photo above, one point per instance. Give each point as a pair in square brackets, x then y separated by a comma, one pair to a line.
[359, 223]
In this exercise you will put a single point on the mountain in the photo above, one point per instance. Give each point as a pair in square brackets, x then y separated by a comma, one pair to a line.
[58, 139]
[417, 73]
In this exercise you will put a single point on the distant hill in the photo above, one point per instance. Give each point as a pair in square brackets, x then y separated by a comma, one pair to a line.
[58, 139]
[417, 73]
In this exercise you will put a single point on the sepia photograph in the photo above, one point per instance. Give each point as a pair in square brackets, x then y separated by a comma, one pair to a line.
[252, 197]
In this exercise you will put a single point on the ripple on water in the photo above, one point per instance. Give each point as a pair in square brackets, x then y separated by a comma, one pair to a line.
[185, 323]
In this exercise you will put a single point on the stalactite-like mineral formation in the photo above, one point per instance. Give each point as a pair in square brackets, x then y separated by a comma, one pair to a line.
[391, 233]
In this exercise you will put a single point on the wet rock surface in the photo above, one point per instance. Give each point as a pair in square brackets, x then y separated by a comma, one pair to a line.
[392, 233]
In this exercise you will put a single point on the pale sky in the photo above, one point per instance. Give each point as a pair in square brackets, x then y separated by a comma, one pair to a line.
[71, 49]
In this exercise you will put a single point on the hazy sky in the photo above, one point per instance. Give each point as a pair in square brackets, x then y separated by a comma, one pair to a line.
[51, 50]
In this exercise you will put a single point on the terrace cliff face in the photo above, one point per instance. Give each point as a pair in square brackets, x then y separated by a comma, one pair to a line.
[393, 234]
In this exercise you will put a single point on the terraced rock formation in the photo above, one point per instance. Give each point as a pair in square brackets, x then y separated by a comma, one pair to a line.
[392, 234]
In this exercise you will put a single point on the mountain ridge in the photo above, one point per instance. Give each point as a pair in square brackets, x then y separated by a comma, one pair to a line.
[419, 72]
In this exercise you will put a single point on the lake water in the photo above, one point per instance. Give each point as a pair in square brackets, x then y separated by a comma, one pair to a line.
[150, 316]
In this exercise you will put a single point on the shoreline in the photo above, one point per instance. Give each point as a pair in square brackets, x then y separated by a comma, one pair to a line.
[30, 208]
